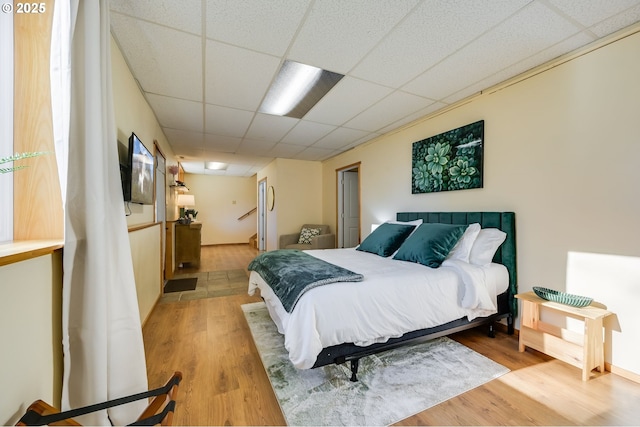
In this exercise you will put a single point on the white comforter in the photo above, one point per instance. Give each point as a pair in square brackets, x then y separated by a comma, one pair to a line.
[395, 297]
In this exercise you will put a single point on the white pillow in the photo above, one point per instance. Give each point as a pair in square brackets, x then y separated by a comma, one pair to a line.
[486, 245]
[462, 249]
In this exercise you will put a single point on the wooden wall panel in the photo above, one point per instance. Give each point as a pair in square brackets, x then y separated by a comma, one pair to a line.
[38, 212]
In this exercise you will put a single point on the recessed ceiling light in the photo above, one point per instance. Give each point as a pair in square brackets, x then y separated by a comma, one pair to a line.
[297, 88]
[215, 166]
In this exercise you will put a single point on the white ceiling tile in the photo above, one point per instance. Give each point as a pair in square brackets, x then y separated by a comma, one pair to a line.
[397, 55]
[262, 161]
[186, 151]
[268, 127]
[237, 78]
[538, 27]
[347, 30]
[166, 62]
[255, 169]
[184, 15]
[339, 138]
[255, 148]
[193, 166]
[220, 172]
[285, 150]
[239, 170]
[368, 137]
[617, 22]
[589, 13]
[227, 121]
[411, 117]
[431, 33]
[183, 138]
[468, 91]
[314, 154]
[389, 110]
[554, 51]
[438, 82]
[177, 113]
[229, 158]
[346, 100]
[250, 23]
[305, 133]
[226, 144]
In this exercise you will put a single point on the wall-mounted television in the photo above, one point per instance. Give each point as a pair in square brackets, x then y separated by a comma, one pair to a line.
[136, 172]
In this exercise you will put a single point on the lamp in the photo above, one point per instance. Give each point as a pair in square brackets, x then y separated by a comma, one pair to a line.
[185, 200]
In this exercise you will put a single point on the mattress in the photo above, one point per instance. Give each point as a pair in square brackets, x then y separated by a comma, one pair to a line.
[394, 297]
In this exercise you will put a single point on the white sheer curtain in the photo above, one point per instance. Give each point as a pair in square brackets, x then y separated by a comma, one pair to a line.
[102, 336]
[60, 71]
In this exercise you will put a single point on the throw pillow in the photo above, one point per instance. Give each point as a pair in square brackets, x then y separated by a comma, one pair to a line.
[385, 239]
[486, 246]
[430, 244]
[306, 234]
[462, 249]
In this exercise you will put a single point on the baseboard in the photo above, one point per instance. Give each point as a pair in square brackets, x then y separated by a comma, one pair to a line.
[227, 244]
[144, 321]
[631, 376]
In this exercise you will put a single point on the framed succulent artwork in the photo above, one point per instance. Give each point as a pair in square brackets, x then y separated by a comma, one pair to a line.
[449, 161]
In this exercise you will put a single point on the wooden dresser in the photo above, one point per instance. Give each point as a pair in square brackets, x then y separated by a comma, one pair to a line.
[188, 241]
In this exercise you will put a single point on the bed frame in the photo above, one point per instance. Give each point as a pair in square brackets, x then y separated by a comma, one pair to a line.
[507, 304]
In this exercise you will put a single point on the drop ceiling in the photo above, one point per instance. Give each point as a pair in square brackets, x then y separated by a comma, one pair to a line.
[205, 66]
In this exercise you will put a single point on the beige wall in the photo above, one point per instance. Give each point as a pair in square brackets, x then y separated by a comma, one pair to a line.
[561, 150]
[220, 201]
[270, 175]
[133, 114]
[30, 315]
[145, 253]
[298, 196]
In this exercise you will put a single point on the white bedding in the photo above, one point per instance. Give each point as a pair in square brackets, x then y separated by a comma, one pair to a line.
[395, 297]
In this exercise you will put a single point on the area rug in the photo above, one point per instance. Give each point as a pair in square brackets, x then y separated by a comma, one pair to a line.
[391, 386]
[180, 285]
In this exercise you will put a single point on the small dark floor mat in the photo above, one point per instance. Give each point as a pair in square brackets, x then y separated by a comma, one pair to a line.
[180, 285]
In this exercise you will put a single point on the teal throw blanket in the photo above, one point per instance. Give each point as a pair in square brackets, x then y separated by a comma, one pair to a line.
[291, 273]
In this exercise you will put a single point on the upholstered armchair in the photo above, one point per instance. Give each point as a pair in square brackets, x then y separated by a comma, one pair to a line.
[311, 236]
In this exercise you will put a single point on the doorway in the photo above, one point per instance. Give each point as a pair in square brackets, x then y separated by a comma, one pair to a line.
[161, 200]
[262, 215]
[348, 180]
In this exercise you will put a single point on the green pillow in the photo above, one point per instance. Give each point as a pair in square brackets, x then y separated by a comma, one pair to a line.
[386, 239]
[430, 244]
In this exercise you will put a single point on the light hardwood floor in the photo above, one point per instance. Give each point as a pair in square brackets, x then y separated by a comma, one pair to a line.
[225, 384]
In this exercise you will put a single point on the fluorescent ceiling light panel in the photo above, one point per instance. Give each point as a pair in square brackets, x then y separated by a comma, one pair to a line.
[215, 166]
[297, 88]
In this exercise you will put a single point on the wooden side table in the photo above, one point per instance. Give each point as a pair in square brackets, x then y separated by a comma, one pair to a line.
[583, 351]
[188, 241]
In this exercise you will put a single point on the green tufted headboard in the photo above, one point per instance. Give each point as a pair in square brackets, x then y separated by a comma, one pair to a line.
[505, 221]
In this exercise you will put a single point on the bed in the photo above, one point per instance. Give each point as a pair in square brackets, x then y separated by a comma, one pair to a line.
[382, 304]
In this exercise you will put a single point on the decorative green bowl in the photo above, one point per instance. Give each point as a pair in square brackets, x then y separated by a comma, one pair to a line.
[562, 297]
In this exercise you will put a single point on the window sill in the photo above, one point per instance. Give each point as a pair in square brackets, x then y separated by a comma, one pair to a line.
[16, 251]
